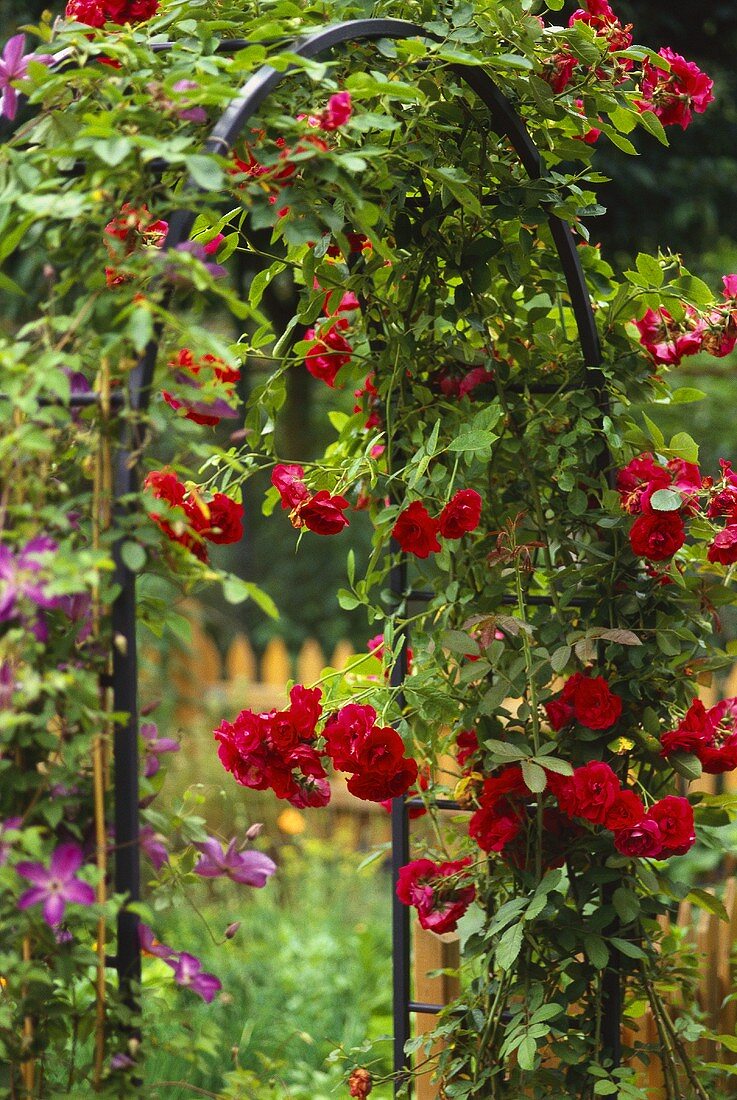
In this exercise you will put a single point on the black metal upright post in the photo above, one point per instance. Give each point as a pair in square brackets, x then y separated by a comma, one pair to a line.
[125, 755]
[401, 938]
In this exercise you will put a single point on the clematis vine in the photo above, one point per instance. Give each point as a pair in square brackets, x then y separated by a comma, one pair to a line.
[56, 886]
[249, 867]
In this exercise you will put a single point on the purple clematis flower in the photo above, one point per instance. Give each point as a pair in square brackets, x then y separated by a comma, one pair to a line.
[57, 885]
[14, 66]
[21, 576]
[190, 114]
[216, 407]
[152, 843]
[201, 252]
[251, 868]
[153, 746]
[188, 972]
[152, 946]
[11, 824]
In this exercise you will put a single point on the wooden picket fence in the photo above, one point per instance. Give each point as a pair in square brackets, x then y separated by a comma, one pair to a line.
[713, 940]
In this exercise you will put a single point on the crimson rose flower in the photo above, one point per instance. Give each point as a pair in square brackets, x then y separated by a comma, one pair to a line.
[437, 891]
[674, 818]
[461, 514]
[289, 481]
[96, 13]
[329, 353]
[641, 840]
[225, 522]
[657, 535]
[674, 95]
[626, 810]
[322, 514]
[416, 531]
[723, 549]
[594, 705]
[594, 790]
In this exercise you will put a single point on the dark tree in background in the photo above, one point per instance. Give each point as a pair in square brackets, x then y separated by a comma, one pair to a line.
[682, 198]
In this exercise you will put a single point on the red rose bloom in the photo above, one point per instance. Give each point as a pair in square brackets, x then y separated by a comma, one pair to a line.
[96, 13]
[660, 336]
[225, 522]
[642, 473]
[723, 549]
[674, 818]
[382, 770]
[416, 531]
[626, 810]
[657, 535]
[305, 710]
[594, 705]
[329, 353]
[289, 481]
[467, 746]
[322, 514]
[493, 830]
[345, 732]
[437, 891]
[674, 95]
[337, 112]
[461, 514]
[595, 790]
[642, 840]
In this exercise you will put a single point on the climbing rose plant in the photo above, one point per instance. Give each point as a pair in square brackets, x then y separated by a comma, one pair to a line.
[573, 557]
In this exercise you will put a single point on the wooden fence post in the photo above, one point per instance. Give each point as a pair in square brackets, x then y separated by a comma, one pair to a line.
[433, 952]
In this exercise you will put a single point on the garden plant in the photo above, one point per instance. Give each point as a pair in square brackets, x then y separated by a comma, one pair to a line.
[559, 564]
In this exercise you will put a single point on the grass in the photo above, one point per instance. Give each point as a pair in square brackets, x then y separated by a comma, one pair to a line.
[308, 973]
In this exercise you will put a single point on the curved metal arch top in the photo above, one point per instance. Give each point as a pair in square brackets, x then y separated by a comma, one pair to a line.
[505, 121]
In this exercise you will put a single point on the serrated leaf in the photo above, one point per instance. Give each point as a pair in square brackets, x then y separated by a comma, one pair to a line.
[708, 901]
[630, 950]
[560, 658]
[509, 947]
[685, 446]
[621, 637]
[686, 764]
[654, 431]
[526, 1052]
[649, 267]
[534, 776]
[133, 555]
[596, 950]
[626, 904]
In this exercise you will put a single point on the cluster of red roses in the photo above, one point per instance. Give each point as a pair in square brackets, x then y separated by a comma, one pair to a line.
[283, 751]
[440, 892]
[672, 92]
[416, 531]
[319, 512]
[587, 700]
[669, 341]
[711, 735]
[134, 227]
[277, 175]
[330, 350]
[594, 794]
[659, 530]
[96, 13]
[191, 520]
[187, 372]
